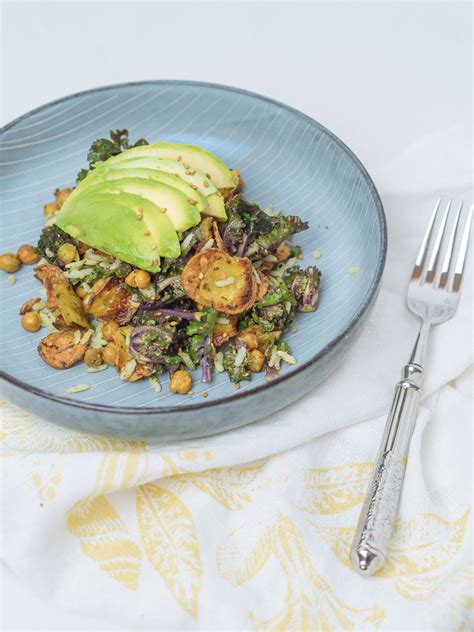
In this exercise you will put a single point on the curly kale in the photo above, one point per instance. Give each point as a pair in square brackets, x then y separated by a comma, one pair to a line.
[274, 312]
[156, 345]
[252, 232]
[304, 284]
[246, 221]
[199, 345]
[99, 272]
[103, 148]
[236, 364]
[51, 239]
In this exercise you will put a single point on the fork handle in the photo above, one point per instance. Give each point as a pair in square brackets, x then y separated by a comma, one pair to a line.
[372, 536]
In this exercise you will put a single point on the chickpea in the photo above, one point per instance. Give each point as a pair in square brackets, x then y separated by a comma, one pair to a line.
[180, 382]
[9, 263]
[255, 361]
[93, 357]
[27, 254]
[80, 291]
[109, 330]
[50, 209]
[109, 353]
[67, 253]
[62, 195]
[31, 321]
[142, 279]
[138, 278]
[283, 251]
[250, 339]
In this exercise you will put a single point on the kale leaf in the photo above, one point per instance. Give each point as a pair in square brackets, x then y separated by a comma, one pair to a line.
[103, 148]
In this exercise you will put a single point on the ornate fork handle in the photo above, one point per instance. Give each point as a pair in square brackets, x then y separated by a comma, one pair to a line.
[378, 513]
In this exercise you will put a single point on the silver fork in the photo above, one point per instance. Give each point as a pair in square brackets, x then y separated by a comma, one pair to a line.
[434, 299]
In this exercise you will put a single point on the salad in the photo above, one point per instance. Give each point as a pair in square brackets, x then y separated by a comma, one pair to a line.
[154, 262]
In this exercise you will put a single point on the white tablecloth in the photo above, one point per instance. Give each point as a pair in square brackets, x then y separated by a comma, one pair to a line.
[251, 528]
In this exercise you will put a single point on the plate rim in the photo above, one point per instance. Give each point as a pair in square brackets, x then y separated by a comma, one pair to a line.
[364, 306]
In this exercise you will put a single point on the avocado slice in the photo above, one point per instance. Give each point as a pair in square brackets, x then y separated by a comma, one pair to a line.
[128, 226]
[172, 180]
[194, 177]
[173, 203]
[191, 155]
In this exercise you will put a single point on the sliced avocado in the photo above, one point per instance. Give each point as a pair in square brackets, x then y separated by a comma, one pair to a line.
[128, 226]
[172, 180]
[193, 177]
[171, 202]
[191, 156]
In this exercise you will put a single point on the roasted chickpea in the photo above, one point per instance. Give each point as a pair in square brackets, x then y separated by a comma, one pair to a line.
[50, 209]
[109, 330]
[142, 279]
[80, 291]
[138, 278]
[9, 263]
[180, 382]
[283, 251]
[93, 357]
[250, 339]
[109, 353]
[62, 195]
[27, 254]
[31, 321]
[255, 361]
[67, 253]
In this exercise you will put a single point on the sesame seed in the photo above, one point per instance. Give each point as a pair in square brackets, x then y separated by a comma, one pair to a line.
[163, 210]
[146, 233]
[237, 386]
[177, 175]
[191, 201]
[193, 186]
[205, 394]
[206, 184]
[191, 392]
[208, 176]
[201, 275]
[153, 246]
[179, 158]
[188, 172]
[185, 165]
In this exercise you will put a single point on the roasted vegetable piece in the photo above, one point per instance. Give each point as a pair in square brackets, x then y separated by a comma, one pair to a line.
[110, 300]
[28, 305]
[60, 350]
[194, 270]
[229, 285]
[125, 360]
[215, 279]
[50, 276]
[70, 306]
[224, 331]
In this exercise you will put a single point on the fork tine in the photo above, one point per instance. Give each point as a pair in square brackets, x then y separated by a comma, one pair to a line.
[437, 246]
[443, 280]
[421, 256]
[458, 271]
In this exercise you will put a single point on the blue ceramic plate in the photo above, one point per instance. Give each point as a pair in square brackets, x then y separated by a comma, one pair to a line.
[287, 160]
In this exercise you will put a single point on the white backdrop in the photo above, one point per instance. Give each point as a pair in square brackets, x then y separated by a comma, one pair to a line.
[393, 80]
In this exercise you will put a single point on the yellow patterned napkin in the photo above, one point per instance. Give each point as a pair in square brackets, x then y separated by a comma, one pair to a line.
[184, 537]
